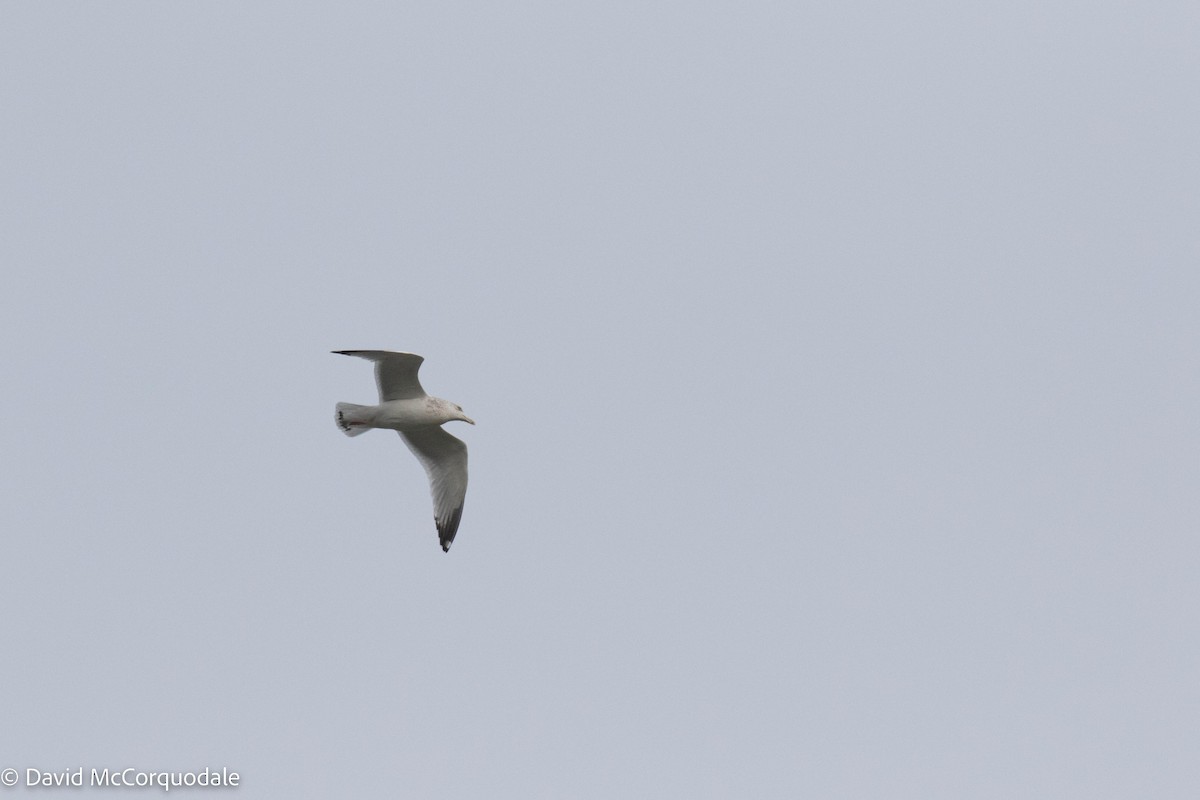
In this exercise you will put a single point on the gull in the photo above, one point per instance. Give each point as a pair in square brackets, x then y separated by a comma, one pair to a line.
[405, 408]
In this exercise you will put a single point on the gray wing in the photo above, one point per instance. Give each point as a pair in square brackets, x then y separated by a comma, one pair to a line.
[445, 460]
[395, 373]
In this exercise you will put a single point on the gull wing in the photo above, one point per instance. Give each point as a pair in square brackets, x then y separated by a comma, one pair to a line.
[445, 460]
[395, 373]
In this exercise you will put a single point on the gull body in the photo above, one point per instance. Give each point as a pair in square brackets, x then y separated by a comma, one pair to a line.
[418, 418]
[405, 415]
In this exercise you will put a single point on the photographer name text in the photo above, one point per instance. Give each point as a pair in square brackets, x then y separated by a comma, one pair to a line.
[129, 777]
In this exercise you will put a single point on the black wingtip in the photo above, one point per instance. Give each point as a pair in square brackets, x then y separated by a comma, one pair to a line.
[447, 530]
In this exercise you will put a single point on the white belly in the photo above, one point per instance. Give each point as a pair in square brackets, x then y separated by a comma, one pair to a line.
[399, 415]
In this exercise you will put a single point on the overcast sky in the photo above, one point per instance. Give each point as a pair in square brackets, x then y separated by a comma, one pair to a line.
[834, 364]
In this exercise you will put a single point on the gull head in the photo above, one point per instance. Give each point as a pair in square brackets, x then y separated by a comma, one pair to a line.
[456, 412]
[439, 412]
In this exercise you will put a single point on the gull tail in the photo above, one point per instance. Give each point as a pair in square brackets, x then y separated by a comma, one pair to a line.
[353, 419]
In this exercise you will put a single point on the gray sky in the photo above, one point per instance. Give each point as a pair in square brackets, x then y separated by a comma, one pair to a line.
[835, 369]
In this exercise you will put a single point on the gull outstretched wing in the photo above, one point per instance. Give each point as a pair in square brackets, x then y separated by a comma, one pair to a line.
[445, 460]
[395, 373]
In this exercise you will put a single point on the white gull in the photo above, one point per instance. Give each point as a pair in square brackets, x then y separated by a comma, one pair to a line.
[405, 408]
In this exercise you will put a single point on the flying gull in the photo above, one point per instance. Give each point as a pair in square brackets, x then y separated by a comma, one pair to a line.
[405, 408]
